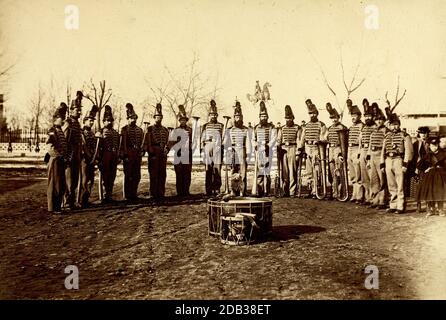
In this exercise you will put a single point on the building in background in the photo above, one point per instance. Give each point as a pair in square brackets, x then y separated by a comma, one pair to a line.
[435, 121]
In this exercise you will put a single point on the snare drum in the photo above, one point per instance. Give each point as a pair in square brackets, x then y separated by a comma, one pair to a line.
[236, 230]
[261, 209]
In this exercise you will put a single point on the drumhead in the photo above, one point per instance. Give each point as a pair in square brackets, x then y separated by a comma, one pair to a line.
[241, 200]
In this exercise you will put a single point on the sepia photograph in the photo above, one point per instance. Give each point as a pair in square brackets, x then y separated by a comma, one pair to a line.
[240, 151]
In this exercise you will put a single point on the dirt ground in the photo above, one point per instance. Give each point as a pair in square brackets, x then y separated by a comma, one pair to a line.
[318, 249]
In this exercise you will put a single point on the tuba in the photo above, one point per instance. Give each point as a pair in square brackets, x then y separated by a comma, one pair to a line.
[320, 169]
[342, 171]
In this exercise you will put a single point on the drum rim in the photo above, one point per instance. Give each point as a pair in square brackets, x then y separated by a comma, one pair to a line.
[242, 200]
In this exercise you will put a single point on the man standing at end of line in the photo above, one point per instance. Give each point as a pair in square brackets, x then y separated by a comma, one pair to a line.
[56, 156]
[395, 156]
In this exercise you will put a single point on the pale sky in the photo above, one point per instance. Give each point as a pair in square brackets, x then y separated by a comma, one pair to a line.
[128, 41]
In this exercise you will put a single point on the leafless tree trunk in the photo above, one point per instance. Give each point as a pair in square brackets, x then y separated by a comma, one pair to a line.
[352, 87]
[99, 96]
[38, 109]
[397, 98]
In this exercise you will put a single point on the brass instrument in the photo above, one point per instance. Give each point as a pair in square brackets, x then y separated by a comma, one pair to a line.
[320, 170]
[254, 190]
[301, 163]
[227, 190]
[343, 170]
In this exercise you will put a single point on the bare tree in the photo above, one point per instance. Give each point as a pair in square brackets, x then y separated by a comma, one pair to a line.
[99, 96]
[14, 122]
[38, 110]
[52, 98]
[352, 87]
[118, 109]
[398, 99]
[4, 69]
[193, 89]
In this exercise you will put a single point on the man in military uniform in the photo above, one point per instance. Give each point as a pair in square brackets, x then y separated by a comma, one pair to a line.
[354, 168]
[157, 148]
[212, 140]
[181, 143]
[288, 140]
[237, 140]
[73, 134]
[364, 144]
[131, 154]
[335, 158]
[313, 132]
[377, 183]
[109, 154]
[58, 153]
[264, 138]
[396, 153]
[87, 163]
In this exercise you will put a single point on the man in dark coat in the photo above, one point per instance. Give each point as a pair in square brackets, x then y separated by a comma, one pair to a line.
[57, 153]
[181, 141]
[109, 154]
[157, 148]
[131, 153]
[87, 163]
[73, 134]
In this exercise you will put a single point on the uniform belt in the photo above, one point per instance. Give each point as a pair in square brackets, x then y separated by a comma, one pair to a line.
[334, 145]
[376, 148]
[238, 145]
[393, 154]
[289, 143]
[111, 149]
[353, 144]
[365, 145]
[311, 142]
[134, 146]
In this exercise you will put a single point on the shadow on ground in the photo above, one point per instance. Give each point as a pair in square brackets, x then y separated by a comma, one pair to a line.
[290, 232]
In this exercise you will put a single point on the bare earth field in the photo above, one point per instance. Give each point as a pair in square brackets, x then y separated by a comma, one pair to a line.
[318, 249]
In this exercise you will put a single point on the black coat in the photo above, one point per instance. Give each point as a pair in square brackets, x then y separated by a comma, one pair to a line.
[418, 154]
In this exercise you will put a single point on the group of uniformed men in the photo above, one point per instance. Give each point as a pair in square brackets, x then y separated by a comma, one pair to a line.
[378, 151]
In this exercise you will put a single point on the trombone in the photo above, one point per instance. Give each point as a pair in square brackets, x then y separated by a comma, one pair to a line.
[320, 170]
